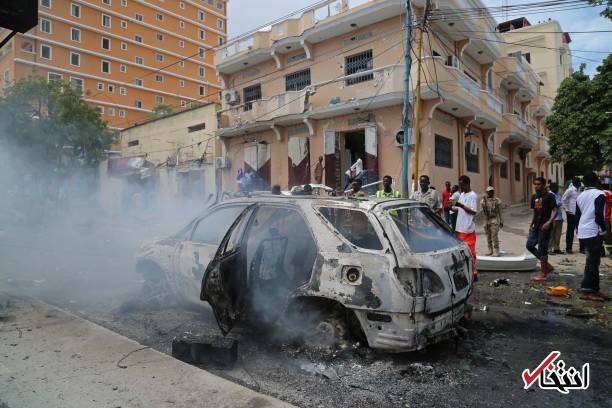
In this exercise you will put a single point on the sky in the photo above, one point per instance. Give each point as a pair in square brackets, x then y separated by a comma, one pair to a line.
[245, 15]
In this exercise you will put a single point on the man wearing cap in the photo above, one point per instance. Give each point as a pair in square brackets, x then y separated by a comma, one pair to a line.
[492, 210]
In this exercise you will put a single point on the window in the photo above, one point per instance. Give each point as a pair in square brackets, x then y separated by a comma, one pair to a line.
[220, 5]
[181, 24]
[422, 230]
[212, 228]
[202, 90]
[138, 82]
[181, 43]
[201, 15]
[124, 3]
[106, 67]
[159, 36]
[183, 103]
[138, 104]
[111, 111]
[196, 128]
[106, 20]
[139, 60]
[121, 113]
[122, 68]
[354, 226]
[517, 171]
[181, 64]
[181, 83]
[297, 80]
[220, 24]
[106, 43]
[527, 57]
[45, 52]
[159, 99]
[444, 152]
[122, 91]
[490, 80]
[111, 88]
[159, 17]
[138, 38]
[182, 5]
[159, 78]
[75, 10]
[76, 83]
[139, 17]
[101, 110]
[202, 34]
[124, 46]
[159, 58]
[358, 63]
[201, 71]
[100, 86]
[251, 93]
[45, 26]
[75, 34]
[107, 2]
[45, 3]
[123, 24]
[503, 170]
[472, 162]
[221, 41]
[6, 77]
[133, 143]
[53, 77]
[201, 52]
[27, 47]
[75, 59]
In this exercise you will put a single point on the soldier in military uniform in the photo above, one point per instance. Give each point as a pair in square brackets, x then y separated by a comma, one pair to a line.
[492, 210]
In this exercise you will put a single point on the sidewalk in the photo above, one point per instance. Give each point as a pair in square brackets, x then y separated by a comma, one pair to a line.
[50, 358]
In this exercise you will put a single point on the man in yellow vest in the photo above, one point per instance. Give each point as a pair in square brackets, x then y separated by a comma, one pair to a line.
[387, 191]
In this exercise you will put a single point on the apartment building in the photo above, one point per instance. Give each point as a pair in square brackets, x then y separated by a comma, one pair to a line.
[127, 56]
[545, 47]
[329, 82]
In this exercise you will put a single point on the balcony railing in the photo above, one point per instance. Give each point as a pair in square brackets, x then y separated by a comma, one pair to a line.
[491, 102]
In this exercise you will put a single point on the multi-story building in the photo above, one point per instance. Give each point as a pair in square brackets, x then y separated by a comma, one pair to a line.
[545, 47]
[329, 82]
[127, 56]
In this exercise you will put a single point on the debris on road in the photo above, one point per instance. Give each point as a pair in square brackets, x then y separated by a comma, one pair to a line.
[581, 312]
[205, 349]
[559, 291]
[500, 281]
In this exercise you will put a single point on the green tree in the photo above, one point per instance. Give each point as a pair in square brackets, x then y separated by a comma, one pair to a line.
[580, 125]
[607, 12]
[49, 124]
[161, 109]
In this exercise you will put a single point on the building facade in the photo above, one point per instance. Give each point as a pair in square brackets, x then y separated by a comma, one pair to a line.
[128, 56]
[329, 82]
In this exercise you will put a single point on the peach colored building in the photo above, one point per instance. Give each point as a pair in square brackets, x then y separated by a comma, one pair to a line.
[128, 56]
[329, 82]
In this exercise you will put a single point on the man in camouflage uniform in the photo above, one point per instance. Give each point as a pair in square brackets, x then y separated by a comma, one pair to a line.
[492, 210]
[427, 195]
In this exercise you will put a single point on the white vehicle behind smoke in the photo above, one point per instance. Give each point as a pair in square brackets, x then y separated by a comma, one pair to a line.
[390, 271]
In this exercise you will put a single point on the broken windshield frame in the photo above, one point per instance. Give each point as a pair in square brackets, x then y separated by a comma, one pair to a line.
[422, 230]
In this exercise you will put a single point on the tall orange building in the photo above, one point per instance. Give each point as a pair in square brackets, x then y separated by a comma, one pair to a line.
[128, 56]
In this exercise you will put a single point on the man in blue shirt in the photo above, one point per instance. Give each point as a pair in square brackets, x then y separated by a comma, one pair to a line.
[557, 226]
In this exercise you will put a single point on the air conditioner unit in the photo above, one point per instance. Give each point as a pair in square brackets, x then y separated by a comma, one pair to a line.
[232, 97]
[222, 162]
[399, 138]
[473, 148]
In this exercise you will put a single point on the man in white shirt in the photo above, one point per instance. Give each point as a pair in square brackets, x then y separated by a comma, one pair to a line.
[590, 209]
[466, 209]
[568, 202]
[355, 172]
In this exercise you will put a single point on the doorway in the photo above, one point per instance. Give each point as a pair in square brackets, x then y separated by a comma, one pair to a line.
[352, 147]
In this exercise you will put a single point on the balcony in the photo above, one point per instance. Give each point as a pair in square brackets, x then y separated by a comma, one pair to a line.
[318, 101]
[542, 105]
[319, 23]
[518, 76]
[490, 114]
[513, 129]
[543, 147]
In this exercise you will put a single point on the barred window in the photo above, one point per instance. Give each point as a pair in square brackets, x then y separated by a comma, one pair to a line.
[444, 152]
[297, 80]
[251, 93]
[503, 170]
[359, 63]
[471, 159]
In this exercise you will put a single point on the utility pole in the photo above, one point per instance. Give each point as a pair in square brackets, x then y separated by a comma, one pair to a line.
[417, 108]
[406, 112]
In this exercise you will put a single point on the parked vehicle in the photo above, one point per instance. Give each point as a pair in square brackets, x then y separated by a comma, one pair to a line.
[391, 269]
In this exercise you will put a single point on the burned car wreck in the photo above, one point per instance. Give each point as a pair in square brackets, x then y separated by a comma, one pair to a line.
[390, 271]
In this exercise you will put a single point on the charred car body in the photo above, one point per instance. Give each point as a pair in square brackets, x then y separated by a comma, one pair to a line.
[391, 269]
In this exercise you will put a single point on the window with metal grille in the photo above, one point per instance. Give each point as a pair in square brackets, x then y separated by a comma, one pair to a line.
[471, 160]
[133, 143]
[503, 170]
[517, 171]
[444, 152]
[358, 63]
[297, 80]
[250, 94]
